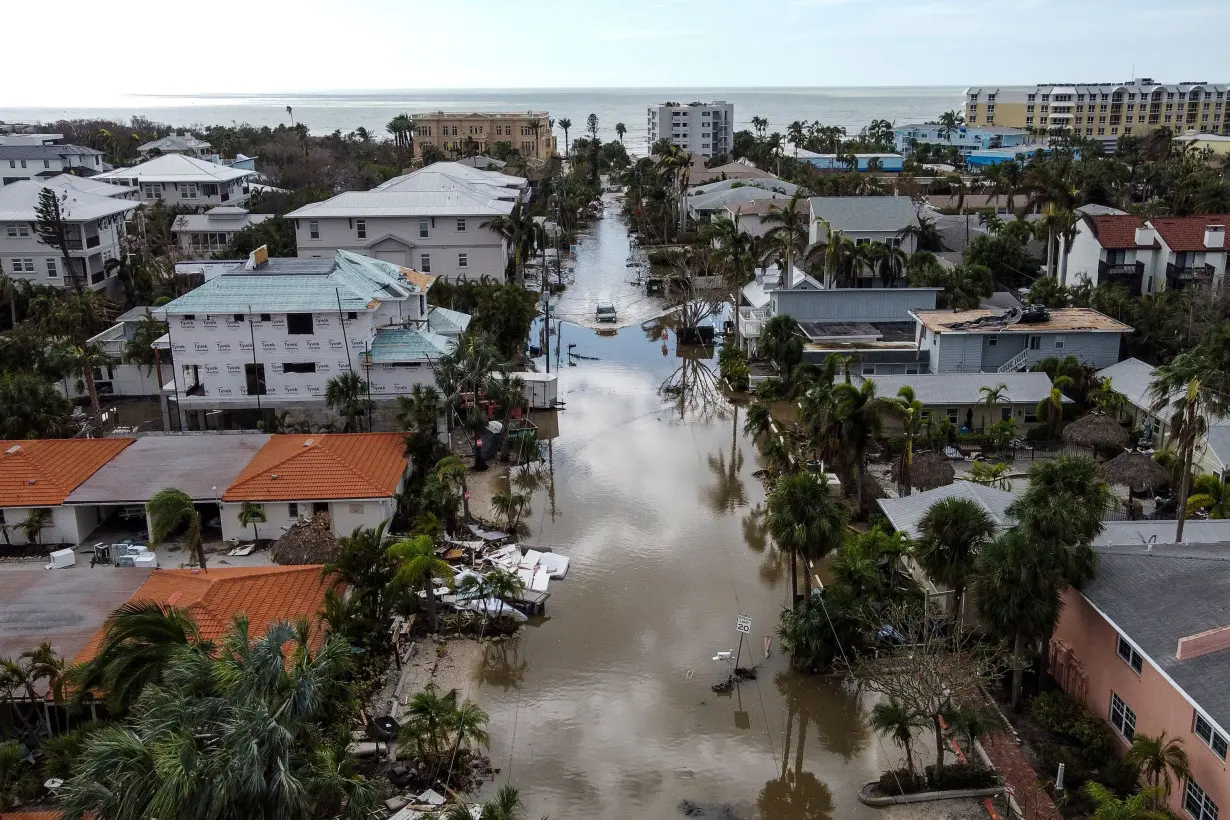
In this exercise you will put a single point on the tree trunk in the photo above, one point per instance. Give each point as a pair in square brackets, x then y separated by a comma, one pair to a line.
[465, 498]
[87, 373]
[1018, 671]
[794, 581]
[1050, 252]
[1044, 661]
[909, 757]
[1184, 488]
[806, 578]
[958, 604]
[939, 746]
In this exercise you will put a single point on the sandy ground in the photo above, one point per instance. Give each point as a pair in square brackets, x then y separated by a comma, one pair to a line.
[448, 664]
[967, 809]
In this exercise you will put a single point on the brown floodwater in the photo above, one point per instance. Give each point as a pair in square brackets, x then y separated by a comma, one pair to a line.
[603, 708]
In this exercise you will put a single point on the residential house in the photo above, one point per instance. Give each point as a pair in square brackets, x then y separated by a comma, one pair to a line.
[264, 596]
[20, 162]
[451, 132]
[27, 138]
[39, 474]
[862, 162]
[90, 185]
[211, 232]
[742, 168]
[1146, 645]
[1148, 255]
[1134, 380]
[1103, 111]
[179, 179]
[1219, 144]
[95, 231]
[891, 220]
[959, 397]
[984, 157]
[998, 341]
[965, 138]
[270, 333]
[434, 220]
[184, 143]
[121, 378]
[751, 216]
[701, 129]
[703, 205]
[353, 477]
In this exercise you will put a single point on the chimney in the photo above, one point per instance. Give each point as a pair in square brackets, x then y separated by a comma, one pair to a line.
[1203, 643]
[1146, 236]
[1215, 237]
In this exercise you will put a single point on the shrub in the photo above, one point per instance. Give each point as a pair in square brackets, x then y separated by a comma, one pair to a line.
[1076, 770]
[1071, 719]
[732, 363]
[962, 776]
[1039, 433]
[771, 388]
[1120, 776]
[901, 781]
[1057, 711]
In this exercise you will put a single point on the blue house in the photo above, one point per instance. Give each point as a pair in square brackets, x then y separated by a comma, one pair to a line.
[836, 162]
[966, 138]
[995, 156]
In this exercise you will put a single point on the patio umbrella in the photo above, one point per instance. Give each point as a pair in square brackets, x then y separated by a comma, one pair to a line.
[1097, 431]
[1136, 471]
[927, 471]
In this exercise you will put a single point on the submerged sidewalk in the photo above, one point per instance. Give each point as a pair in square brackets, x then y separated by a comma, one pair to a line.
[1033, 799]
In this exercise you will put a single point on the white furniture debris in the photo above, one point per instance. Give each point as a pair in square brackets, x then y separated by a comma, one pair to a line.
[60, 559]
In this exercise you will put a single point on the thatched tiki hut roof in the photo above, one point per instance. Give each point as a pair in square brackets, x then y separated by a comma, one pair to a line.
[1136, 471]
[1098, 432]
[927, 471]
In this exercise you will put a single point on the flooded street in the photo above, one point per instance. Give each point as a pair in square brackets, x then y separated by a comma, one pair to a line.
[603, 709]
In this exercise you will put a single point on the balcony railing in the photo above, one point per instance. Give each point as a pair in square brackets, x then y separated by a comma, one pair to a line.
[752, 320]
[1131, 274]
[1177, 277]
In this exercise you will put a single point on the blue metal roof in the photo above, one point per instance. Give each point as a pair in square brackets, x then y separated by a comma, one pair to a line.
[399, 344]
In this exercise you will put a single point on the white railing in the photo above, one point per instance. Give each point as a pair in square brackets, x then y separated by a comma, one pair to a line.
[1014, 364]
[751, 320]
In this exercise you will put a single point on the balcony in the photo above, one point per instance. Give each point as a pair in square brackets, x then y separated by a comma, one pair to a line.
[1177, 277]
[1130, 275]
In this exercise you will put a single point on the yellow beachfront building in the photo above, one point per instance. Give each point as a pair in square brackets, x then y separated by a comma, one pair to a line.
[529, 132]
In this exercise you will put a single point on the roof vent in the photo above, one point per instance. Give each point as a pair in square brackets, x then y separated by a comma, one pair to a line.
[14, 450]
[30, 482]
[308, 443]
[273, 477]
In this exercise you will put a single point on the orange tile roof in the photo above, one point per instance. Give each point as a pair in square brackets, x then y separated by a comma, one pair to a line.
[1185, 234]
[42, 472]
[322, 467]
[1117, 231]
[265, 594]
[31, 815]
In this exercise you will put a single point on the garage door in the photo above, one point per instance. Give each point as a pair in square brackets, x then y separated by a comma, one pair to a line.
[397, 257]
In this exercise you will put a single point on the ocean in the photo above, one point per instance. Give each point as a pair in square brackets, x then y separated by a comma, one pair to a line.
[323, 113]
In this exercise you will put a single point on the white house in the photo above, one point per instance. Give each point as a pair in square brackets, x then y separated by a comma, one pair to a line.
[1149, 255]
[431, 220]
[211, 232]
[354, 477]
[121, 378]
[34, 161]
[95, 231]
[178, 179]
[183, 143]
[272, 333]
[704, 129]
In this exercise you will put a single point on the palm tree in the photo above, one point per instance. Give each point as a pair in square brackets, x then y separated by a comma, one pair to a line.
[84, 359]
[252, 513]
[468, 724]
[894, 719]
[991, 475]
[1159, 757]
[950, 121]
[138, 642]
[140, 350]
[347, 395]
[759, 420]
[857, 412]
[1050, 409]
[418, 568]
[790, 231]
[290, 112]
[8, 292]
[452, 471]
[781, 342]
[952, 532]
[992, 396]
[974, 723]
[910, 411]
[807, 520]
[620, 130]
[1210, 493]
[429, 715]
[169, 510]
[1188, 426]
[33, 408]
[1110, 806]
[734, 255]
[511, 505]
[35, 522]
[565, 124]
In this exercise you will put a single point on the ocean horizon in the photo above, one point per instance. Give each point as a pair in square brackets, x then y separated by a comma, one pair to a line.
[851, 107]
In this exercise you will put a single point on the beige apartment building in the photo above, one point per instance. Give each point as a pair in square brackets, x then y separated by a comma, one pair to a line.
[1104, 110]
[529, 132]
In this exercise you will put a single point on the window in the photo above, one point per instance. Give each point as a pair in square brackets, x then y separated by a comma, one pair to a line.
[313, 229]
[1122, 717]
[1058, 342]
[209, 189]
[254, 378]
[356, 509]
[463, 260]
[238, 317]
[299, 324]
[425, 263]
[911, 371]
[424, 224]
[869, 370]
[152, 190]
[1214, 739]
[189, 317]
[299, 367]
[19, 230]
[1035, 342]
[1197, 803]
[993, 341]
[188, 190]
[292, 510]
[1130, 656]
[265, 317]
[52, 270]
[461, 225]
[952, 414]
[360, 228]
[320, 507]
[352, 315]
[23, 266]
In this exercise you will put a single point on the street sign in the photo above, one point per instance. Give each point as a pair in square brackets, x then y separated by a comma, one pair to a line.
[744, 624]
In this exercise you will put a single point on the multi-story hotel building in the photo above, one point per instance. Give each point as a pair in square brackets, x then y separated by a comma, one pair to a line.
[1103, 110]
[706, 129]
[528, 132]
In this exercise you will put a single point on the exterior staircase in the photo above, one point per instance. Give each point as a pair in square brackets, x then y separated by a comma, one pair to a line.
[1014, 364]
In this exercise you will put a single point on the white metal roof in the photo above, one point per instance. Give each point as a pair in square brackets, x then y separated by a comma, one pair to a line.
[19, 202]
[210, 221]
[404, 203]
[456, 171]
[177, 168]
[88, 185]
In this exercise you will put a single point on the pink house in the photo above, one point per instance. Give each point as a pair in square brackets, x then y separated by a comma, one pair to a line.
[1147, 646]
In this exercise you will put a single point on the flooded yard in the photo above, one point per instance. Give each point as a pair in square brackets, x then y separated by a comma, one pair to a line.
[603, 708]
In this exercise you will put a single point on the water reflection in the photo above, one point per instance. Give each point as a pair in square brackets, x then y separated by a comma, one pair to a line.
[503, 664]
[728, 492]
[693, 388]
[843, 729]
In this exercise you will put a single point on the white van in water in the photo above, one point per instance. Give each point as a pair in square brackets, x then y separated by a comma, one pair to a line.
[605, 312]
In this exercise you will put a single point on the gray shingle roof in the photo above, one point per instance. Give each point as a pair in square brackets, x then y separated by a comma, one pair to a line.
[963, 388]
[717, 200]
[44, 151]
[904, 513]
[1132, 378]
[865, 213]
[1159, 593]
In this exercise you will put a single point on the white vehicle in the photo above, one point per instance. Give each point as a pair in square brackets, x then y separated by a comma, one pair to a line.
[605, 312]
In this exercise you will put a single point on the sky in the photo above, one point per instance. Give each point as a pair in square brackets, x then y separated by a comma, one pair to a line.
[254, 46]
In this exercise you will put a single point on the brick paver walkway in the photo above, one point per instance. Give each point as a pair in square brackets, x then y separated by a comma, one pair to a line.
[1008, 758]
